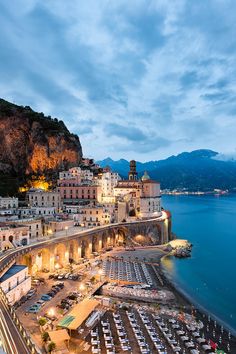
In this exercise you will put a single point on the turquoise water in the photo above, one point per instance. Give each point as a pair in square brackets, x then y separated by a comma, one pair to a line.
[209, 276]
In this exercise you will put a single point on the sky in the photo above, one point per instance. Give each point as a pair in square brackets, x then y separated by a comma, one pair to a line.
[134, 79]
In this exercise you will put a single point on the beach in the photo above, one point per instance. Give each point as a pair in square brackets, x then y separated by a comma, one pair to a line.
[213, 329]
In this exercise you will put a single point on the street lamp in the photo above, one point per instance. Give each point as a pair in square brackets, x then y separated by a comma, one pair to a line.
[50, 232]
[66, 228]
[51, 312]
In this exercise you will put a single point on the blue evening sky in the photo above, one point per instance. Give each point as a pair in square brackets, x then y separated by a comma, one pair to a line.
[135, 79]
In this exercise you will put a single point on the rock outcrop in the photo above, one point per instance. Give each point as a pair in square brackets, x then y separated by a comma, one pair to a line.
[32, 143]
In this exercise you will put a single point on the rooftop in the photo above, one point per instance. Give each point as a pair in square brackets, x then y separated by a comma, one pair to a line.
[16, 268]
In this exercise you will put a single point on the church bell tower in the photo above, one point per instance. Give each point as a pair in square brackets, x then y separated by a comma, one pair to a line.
[133, 176]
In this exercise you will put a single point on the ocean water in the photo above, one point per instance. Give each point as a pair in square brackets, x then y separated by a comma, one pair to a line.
[209, 276]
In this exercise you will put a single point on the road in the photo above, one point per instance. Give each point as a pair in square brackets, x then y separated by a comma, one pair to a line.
[11, 338]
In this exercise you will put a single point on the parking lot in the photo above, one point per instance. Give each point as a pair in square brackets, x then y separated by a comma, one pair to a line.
[52, 297]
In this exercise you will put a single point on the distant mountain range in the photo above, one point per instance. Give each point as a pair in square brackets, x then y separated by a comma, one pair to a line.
[201, 170]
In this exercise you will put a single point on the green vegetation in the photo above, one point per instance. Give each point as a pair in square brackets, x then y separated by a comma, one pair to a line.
[45, 337]
[51, 347]
[42, 321]
[52, 125]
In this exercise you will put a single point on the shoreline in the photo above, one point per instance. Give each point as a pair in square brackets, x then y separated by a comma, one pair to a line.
[212, 328]
[190, 300]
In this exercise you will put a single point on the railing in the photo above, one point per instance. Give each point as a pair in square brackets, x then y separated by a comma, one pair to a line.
[22, 332]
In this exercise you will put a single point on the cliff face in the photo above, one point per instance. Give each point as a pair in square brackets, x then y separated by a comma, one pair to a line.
[33, 143]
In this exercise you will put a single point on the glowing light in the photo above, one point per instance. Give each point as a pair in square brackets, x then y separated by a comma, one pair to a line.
[100, 272]
[82, 287]
[36, 182]
[51, 312]
[57, 266]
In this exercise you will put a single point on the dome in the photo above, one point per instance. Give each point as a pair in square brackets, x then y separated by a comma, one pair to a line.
[145, 177]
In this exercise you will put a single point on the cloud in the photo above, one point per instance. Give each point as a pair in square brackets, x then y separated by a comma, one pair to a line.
[141, 79]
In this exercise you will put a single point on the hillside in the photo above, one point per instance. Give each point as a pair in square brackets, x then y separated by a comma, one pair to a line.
[196, 170]
[32, 143]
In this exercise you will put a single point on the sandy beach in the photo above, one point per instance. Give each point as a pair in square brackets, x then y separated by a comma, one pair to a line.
[212, 329]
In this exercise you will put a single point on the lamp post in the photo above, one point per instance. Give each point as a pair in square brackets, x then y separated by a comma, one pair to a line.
[49, 232]
[66, 228]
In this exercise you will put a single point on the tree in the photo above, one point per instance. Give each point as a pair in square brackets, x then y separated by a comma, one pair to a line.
[93, 279]
[45, 337]
[51, 347]
[42, 321]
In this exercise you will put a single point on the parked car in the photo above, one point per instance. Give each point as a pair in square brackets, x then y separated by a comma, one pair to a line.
[51, 293]
[61, 276]
[34, 308]
[40, 302]
[61, 285]
[46, 297]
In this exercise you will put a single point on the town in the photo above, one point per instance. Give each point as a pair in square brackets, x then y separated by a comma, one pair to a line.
[81, 269]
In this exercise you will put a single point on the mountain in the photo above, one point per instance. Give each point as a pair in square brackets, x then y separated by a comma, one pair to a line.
[196, 170]
[32, 143]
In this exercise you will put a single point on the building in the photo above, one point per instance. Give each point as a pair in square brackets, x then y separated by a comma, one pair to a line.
[133, 175]
[36, 211]
[34, 225]
[108, 180]
[53, 226]
[78, 173]
[93, 216]
[150, 199]
[74, 192]
[41, 198]
[8, 203]
[15, 283]
[12, 235]
[142, 196]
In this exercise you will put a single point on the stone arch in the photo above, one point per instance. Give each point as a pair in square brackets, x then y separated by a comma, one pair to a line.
[60, 255]
[28, 261]
[73, 251]
[94, 244]
[84, 247]
[45, 258]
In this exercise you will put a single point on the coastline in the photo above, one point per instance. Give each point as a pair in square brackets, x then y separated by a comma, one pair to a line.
[190, 303]
[212, 328]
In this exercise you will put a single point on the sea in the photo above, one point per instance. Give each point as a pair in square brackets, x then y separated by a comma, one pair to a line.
[208, 278]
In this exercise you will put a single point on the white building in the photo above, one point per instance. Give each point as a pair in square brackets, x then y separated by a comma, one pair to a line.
[40, 198]
[8, 203]
[15, 283]
[108, 181]
[37, 211]
[78, 173]
[12, 235]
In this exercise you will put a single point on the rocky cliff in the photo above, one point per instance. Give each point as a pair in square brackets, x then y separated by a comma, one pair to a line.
[32, 143]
